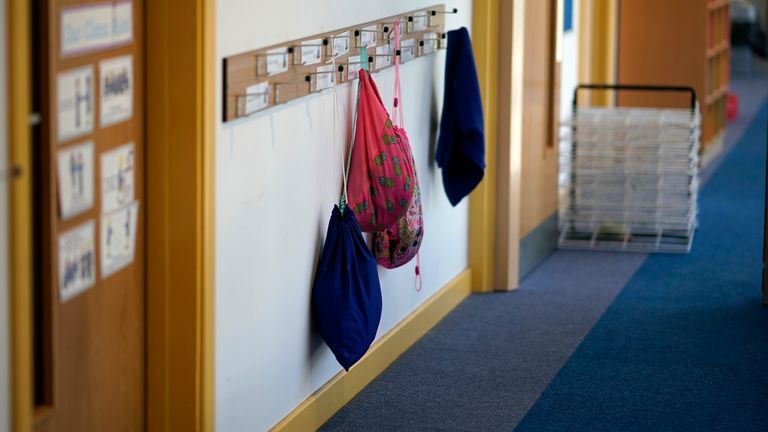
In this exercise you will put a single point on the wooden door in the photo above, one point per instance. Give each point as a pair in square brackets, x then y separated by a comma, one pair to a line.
[89, 313]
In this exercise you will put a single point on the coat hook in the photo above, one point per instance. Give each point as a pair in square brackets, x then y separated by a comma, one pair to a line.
[308, 77]
[309, 74]
[387, 26]
[325, 43]
[397, 53]
[370, 60]
[288, 50]
[430, 13]
[444, 12]
[442, 36]
[358, 31]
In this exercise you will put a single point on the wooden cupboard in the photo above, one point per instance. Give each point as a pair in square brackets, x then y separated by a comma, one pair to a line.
[681, 42]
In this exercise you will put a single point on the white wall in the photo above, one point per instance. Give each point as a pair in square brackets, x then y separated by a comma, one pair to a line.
[569, 68]
[4, 230]
[278, 176]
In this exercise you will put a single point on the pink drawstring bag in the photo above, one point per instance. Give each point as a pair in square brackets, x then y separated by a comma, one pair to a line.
[381, 175]
[399, 243]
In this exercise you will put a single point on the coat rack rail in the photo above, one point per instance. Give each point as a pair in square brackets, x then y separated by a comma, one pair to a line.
[263, 78]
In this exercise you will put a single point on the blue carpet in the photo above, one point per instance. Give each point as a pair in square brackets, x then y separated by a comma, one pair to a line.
[685, 345]
[485, 364]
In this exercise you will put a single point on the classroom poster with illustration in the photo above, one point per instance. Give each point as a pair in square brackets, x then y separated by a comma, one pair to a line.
[77, 261]
[75, 103]
[117, 178]
[118, 239]
[116, 90]
[75, 179]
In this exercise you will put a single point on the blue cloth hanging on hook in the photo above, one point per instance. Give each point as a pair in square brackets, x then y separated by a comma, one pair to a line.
[461, 146]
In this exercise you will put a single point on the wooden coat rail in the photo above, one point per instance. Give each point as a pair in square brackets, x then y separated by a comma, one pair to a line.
[259, 79]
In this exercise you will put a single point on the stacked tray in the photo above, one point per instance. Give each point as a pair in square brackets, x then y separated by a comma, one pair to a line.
[629, 179]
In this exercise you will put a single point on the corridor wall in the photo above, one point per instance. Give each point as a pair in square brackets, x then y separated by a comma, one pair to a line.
[569, 66]
[278, 174]
[5, 320]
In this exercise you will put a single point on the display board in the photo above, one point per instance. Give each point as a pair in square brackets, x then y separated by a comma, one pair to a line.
[89, 303]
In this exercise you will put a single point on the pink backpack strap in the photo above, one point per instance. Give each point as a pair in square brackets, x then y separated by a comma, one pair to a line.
[397, 105]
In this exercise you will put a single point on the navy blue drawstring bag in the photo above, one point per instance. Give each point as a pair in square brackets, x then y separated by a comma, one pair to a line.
[346, 296]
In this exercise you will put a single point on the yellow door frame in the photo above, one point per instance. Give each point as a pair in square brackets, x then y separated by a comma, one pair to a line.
[598, 47]
[19, 103]
[180, 124]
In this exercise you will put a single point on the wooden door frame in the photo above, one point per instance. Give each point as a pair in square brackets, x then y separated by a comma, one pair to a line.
[482, 201]
[512, 56]
[180, 100]
[20, 217]
[180, 37]
[509, 151]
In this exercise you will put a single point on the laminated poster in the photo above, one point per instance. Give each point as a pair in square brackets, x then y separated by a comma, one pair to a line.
[116, 76]
[117, 178]
[75, 102]
[75, 179]
[77, 261]
[118, 239]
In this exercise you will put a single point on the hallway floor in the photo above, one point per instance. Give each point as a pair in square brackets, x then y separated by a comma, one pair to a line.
[607, 341]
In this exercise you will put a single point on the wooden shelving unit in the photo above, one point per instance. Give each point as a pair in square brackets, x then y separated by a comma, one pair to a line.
[681, 42]
[718, 76]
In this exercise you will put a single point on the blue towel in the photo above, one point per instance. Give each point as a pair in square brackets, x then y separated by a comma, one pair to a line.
[461, 146]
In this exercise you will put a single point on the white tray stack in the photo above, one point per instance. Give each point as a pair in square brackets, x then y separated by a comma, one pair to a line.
[629, 179]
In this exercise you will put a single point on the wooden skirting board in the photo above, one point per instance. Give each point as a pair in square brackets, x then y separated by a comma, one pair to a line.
[331, 397]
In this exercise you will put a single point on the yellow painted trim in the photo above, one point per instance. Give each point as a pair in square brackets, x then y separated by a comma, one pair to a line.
[19, 106]
[207, 207]
[180, 102]
[598, 46]
[482, 202]
[331, 397]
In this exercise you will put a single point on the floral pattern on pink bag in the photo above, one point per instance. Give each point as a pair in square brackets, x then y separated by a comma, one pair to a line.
[400, 243]
[381, 175]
